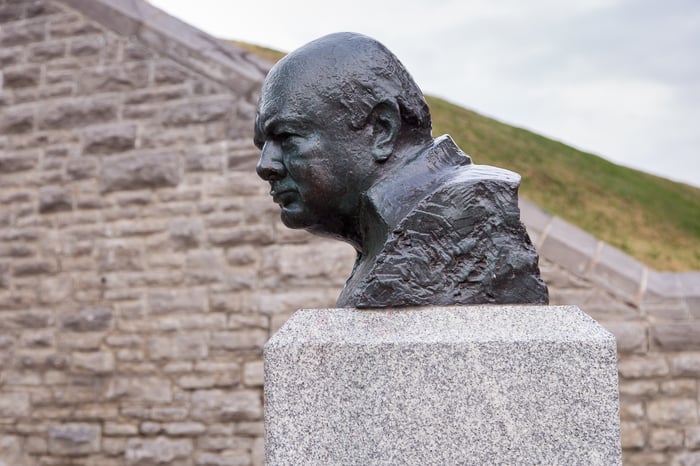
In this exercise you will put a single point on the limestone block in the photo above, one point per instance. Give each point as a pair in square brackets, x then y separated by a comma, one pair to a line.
[226, 405]
[239, 339]
[16, 119]
[115, 137]
[160, 450]
[236, 236]
[679, 387]
[225, 459]
[74, 439]
[167, 72]
[11, 451]
[179, 346]
[21, 76]
[14, 405]
[184, 428]
[87, 320]
[665, 439]
[22, 33]
[43, 52]
[124, 77]
[253, 374]
[631, 337]
[140, 171]
[197, 112]
[639, 388]
[148, 389]
[78, 169]
[673, 412]
[78, 113]
[632, 435]
[681, 336]
[483, 384]
[54, 199]
[692, 438]
[17, 162]
[163, 301]
[119, 429]
[641, 367]
[99, 362]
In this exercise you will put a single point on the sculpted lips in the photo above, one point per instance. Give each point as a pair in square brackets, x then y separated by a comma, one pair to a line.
[283, 195]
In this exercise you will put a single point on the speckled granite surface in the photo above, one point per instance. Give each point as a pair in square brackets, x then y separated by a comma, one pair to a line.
[449, 385]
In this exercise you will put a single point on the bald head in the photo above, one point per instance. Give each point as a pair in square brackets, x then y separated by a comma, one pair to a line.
[334, 117]
[357, 73]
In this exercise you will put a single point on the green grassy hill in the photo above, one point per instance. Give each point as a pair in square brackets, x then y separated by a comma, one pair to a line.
[651, 218]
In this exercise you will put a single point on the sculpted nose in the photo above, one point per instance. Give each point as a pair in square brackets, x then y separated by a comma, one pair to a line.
[270, 166]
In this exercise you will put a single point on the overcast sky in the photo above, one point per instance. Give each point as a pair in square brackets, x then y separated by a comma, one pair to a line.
[618, 78]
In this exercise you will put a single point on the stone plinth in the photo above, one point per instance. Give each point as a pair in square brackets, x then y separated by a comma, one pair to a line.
[450, 385]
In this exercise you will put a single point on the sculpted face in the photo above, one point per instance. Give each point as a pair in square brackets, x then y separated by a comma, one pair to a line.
[316, 163]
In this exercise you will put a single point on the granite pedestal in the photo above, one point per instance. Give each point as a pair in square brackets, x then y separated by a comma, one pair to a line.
[436, 386]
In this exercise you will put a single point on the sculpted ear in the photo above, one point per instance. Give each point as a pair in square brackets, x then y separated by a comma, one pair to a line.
[385, 122]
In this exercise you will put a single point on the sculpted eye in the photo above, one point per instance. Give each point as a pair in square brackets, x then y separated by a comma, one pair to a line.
[284, 136]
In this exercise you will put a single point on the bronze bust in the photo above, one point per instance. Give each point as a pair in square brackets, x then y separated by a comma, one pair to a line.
[346, 145]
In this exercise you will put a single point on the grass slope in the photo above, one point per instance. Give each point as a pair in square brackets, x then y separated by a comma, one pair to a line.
[653, 219]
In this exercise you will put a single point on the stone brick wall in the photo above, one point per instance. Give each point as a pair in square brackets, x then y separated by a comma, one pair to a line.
[143, 265]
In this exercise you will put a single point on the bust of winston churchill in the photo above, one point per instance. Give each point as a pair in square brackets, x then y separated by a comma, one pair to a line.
[346, 144]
